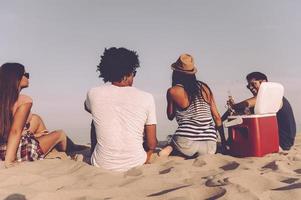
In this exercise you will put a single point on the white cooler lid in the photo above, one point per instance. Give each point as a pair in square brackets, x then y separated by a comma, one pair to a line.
[269, 98]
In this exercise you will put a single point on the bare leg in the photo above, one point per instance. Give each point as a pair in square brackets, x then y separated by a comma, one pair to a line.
[56, 139]
[37, 126]
[166, 151]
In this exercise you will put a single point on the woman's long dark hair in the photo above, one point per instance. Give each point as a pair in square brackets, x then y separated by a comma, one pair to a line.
[10, 77]
[192, 86]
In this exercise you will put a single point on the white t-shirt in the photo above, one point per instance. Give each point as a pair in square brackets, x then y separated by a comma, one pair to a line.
[119, 115]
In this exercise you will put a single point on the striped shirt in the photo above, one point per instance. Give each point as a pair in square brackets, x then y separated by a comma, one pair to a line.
[196, 122]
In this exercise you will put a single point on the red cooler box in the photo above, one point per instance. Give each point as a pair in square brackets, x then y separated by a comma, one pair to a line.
[257, 135]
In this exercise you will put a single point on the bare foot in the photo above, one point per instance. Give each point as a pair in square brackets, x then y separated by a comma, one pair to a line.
[165, 151]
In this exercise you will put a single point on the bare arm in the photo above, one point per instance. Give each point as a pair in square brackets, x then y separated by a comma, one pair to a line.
[215, 115]
[86, 108]
[251, 102]
[151, 140]
[218, 121]
[176, 96]
[246, 103]
[15, 133]
[170, 111]
[87, 103]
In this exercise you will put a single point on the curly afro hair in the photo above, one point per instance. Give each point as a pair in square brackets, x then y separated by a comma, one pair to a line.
[116, 63]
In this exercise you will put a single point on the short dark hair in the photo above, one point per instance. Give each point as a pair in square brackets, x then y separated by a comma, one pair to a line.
[116, 63]
[258, 76]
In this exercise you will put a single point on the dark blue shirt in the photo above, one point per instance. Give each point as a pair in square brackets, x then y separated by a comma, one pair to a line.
[286, 125]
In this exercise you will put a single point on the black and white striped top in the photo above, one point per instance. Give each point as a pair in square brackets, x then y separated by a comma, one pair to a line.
[196, 122]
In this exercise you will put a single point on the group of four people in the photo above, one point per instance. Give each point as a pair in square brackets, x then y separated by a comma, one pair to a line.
[124, 121]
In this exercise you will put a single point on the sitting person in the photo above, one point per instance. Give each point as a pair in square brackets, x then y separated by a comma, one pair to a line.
[23, 136]
[192, 103]
[121, 114]
[285, 116]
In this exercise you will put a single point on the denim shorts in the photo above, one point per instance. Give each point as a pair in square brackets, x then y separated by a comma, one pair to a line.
[190, 147]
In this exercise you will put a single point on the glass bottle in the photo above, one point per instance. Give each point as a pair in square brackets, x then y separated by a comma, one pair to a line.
[230, 102]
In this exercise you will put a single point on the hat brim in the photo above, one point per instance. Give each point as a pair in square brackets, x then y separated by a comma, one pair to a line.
[184, 71]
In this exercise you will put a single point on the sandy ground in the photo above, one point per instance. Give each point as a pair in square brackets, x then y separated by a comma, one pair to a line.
[275, 176]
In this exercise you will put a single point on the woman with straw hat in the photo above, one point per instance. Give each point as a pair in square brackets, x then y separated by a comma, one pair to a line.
[192, 103]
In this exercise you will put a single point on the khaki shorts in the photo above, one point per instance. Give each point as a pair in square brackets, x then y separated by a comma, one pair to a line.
[190, 147]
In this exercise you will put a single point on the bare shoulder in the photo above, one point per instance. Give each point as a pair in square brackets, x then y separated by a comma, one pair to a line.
[206, 92]
[23, 109]
[205, 87]
[23, 98]
[176, 91]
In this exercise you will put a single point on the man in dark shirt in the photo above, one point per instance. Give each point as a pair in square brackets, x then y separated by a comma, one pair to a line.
[285, 116]
[286, 125]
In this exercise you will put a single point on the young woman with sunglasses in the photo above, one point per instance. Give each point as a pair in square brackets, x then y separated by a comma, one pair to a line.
[22, 134]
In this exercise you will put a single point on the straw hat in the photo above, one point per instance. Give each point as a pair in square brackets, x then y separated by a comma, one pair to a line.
[184, 64]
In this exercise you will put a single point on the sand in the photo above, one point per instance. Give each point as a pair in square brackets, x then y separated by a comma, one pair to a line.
[275, 176]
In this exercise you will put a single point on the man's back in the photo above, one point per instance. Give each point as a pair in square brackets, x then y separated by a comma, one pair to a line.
[119, 115]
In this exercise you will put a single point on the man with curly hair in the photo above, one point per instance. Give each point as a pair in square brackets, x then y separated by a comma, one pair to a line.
[122, 115]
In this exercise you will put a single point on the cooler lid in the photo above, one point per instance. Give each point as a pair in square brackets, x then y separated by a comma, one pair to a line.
[269, 98]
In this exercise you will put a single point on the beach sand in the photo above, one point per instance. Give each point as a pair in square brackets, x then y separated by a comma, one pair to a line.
[275, 176]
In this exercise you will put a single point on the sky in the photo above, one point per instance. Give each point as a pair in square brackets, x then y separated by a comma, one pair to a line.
[60, 43]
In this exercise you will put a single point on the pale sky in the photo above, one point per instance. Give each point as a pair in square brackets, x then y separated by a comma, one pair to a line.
[60, 43]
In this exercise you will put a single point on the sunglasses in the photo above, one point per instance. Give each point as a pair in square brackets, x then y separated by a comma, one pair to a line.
[26, 74]
[252, 84]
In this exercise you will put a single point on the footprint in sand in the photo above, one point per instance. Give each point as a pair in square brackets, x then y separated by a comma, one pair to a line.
[133, 172]
[272, 165]
[213, 193]
[169, 164]
[230, 166]
[199, 163]
[289, 187]
[165, 171]
[298, 171]
[214, 182]
[289, 180]
[167, 191]
[16, 197]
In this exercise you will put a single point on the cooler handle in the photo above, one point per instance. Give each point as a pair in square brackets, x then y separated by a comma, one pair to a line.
[233, 122]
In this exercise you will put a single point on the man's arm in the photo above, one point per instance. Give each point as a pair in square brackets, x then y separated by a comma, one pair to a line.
[246, 103]
[86, 108]
[151, 140]
[87, 103]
